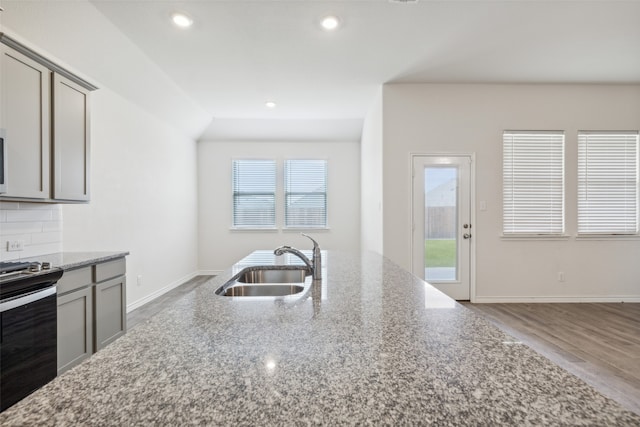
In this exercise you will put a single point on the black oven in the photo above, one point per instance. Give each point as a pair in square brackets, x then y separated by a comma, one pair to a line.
[3, 162]
[28, 327]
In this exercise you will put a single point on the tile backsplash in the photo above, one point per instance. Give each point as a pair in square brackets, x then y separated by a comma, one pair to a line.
[37, 227]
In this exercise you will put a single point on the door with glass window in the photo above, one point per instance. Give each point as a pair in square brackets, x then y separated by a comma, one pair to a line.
[442, 229]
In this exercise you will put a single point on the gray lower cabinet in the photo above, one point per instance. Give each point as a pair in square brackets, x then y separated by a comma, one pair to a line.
[91, 310]
[75, 331]
[110, 315]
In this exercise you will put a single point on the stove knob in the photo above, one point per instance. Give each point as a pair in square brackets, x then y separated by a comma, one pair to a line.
[46, 265]
[35, 267]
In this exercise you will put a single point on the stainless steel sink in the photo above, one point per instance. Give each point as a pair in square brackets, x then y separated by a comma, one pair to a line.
[274, 276]
[266, 282]
[261, 290]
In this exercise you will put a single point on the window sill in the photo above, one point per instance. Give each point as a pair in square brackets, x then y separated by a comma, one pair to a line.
[299, 229]
[607, 236]
[277, 230]
[534, 237]
[253, 230]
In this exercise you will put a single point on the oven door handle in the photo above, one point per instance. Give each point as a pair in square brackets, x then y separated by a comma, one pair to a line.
[27, 299]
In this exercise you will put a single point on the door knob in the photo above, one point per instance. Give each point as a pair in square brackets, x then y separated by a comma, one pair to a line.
[466, 235]
[466, 225]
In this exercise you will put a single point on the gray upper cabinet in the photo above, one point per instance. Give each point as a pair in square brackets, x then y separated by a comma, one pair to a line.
[45, 117]
[25, 115]
[71, 148]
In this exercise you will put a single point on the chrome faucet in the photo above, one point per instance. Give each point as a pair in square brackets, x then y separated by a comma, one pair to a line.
[315, 266]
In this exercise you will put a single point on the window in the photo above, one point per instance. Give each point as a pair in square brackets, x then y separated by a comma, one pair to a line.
[533, 182]
[305, 193]
[254, 193]
[258, 195]
[608, 182]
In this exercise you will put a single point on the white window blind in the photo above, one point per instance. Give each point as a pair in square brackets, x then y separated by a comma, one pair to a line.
[305, 183]
[254, 193]
[608, 182]
[533, 182]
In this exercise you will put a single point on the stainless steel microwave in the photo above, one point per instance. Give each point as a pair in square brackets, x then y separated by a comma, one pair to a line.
[3, 162]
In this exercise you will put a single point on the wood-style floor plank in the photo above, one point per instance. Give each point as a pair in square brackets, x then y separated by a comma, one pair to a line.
[598, 342]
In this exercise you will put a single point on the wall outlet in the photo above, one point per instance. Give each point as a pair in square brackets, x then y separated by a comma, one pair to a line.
[560, 276]
[139, 280]
[15, 245]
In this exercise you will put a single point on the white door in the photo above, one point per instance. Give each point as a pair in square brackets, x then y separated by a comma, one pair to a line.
[442, 229]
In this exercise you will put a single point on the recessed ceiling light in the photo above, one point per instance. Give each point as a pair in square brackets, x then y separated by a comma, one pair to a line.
[182, 20]
[330, 22]
[270, 104]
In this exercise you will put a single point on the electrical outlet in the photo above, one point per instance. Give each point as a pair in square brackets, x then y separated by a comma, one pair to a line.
[560, 276]
[139, 281]
[15, 245]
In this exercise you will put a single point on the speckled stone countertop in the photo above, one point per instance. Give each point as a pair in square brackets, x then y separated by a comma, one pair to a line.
[370, 344]
[72, 260]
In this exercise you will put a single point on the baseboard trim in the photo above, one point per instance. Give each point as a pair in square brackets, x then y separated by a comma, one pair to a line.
[160, 292]
[558, 299]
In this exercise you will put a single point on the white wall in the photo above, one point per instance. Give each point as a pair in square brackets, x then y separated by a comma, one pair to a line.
[428, 118]
[220, 247]
[371, 186]
[143, 178]
[143, 197]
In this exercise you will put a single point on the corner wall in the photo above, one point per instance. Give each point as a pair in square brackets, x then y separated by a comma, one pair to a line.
[449, 118]
[372, 178]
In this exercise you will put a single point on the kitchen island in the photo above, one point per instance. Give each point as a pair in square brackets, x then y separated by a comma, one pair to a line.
[369, 344]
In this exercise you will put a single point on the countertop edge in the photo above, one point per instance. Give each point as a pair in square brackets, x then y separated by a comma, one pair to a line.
[74, 260]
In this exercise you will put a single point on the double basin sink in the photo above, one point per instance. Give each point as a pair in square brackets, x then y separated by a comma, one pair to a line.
[266, 282]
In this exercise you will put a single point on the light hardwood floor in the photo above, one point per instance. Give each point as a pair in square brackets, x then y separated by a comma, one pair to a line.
[152, 308]
[599, 343]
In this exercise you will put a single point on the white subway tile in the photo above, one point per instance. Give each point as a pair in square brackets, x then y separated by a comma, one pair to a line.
[8, 256]
[51, 226]
[9, 205]
[37, 225]
[37, 250]
[13, 228]
[56, 215]
[26, 206]
[29, 215]
[45, 238]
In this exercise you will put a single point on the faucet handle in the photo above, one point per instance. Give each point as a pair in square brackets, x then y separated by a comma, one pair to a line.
[315, 244]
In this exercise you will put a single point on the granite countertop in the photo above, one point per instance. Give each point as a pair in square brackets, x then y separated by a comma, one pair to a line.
[369, 344]
[73, 260]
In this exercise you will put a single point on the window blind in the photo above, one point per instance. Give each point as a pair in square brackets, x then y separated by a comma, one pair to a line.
[305, 183]
[608, 182]
[254, 193]
[533, 182]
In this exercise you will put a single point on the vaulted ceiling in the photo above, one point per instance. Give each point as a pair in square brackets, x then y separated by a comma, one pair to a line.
[238, 54]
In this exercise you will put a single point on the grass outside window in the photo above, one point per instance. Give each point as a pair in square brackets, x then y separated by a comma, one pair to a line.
[440, 253]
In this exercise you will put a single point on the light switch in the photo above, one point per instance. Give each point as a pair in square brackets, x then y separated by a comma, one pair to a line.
[483, 205]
